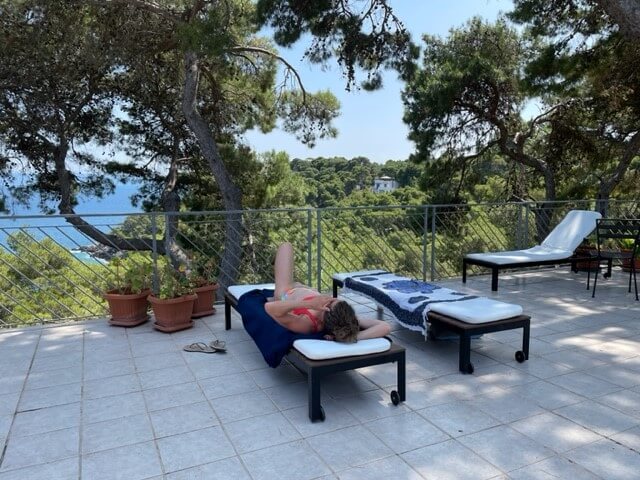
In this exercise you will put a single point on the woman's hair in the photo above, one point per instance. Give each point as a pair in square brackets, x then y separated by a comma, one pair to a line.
[341, 322]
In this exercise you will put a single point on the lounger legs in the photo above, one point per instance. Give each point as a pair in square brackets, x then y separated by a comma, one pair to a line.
[466, 331]
[315, 409]
[227, 314]
[494, 275]
[525, 340]
[316, 373]
[494, 279]
[464, 363]
[402, 378]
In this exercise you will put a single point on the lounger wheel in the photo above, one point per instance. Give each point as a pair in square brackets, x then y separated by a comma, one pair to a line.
[520, 356]
[395, 397]
[322, 415]
[606, 274]
[469, 368]
[431, 335]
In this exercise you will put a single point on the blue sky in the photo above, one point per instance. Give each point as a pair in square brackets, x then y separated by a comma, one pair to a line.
[370, 123]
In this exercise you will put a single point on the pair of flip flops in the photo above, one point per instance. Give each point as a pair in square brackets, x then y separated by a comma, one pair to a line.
[201, 347]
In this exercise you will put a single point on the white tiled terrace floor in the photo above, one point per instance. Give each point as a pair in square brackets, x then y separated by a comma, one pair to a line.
[90, 401]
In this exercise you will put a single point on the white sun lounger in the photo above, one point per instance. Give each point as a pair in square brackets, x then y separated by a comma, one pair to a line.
[556, 249]
[430, 308]
[319, 358]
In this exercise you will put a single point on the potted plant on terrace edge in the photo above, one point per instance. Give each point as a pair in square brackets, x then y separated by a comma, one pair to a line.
[585, 251]
[203, 281]
[173, 305]
[627, 247]
[129, 287]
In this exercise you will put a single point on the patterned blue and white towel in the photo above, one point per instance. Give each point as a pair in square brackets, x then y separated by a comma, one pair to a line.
[408, 300]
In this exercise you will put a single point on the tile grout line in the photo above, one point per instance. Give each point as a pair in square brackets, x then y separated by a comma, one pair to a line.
[208, 401]
[81, 421]
[15, 411]
[146, 407]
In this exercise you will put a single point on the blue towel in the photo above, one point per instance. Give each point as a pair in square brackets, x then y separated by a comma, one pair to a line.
[273, 340]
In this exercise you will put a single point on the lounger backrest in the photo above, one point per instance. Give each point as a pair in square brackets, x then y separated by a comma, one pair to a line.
[573, 228]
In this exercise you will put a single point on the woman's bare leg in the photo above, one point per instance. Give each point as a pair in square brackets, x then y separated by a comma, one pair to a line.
[283, 269]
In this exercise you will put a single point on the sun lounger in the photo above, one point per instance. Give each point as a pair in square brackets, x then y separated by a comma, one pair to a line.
[556, 249]
[310, 354]
[429, 308]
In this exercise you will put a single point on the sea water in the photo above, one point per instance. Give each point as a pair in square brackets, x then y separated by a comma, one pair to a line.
[102, 213]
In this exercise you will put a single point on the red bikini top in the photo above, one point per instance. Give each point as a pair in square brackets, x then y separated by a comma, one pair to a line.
[315, 321]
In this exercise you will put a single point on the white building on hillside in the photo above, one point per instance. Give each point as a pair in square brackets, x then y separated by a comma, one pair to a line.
[384, 184]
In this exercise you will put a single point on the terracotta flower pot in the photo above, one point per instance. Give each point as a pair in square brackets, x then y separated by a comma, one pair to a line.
[127, 310]
[172, 314]
[626, 263]
[586, 265]
[204, 303]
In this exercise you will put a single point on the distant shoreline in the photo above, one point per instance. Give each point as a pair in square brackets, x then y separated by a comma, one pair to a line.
[85, 257]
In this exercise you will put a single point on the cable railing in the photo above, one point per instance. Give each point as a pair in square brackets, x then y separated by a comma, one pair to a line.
[51, 271]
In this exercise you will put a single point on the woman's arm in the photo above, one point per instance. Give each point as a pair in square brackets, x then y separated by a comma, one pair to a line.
[280, 311]
[372, 328]
[279, 308]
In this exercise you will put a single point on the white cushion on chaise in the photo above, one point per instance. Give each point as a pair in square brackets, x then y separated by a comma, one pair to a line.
[559, 244]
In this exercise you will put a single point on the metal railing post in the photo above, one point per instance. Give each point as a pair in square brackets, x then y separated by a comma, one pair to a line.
[319, 248]
[433, 243]
[425, 226]
[309, 253]
[526, 223]
[154, 252]
[520, 229]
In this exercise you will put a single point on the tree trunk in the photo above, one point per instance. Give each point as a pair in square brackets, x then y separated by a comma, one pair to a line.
[626, 14]
[544, 212]
[514, 150]
[602, 202]
[549, 185]
[170, 205]
[231, 195]
[65, 207]
[608, 184]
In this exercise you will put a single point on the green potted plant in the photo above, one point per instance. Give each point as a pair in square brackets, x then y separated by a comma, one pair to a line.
[173, 304]
[203, 281]
[127, 292]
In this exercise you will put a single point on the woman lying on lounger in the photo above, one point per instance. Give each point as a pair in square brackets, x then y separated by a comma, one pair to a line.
[303, 309]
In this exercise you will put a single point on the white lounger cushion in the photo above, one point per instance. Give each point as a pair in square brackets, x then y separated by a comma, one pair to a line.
[559, 244]
[538, 253]
[238, 290]
[477, 310]
[573, 228]
[325, 349]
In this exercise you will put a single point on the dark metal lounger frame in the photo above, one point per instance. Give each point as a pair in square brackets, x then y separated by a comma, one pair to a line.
[495, 267]
[315, 370]
[467, 330]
